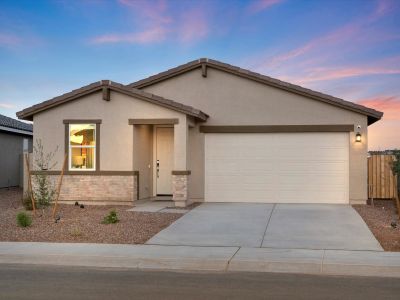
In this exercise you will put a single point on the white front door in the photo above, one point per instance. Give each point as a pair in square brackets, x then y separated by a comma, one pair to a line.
[164, 160]
[277, 167]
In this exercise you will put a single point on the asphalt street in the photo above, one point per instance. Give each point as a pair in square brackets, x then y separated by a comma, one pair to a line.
[51, 282]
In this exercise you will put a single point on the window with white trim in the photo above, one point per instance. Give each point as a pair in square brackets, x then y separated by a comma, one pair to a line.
[82, 147]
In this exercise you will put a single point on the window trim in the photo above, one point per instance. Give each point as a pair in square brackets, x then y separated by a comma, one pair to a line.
[67, 124]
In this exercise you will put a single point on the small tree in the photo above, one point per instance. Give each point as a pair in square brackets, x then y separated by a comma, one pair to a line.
[44, 191]
[396, 166]
[396, 171]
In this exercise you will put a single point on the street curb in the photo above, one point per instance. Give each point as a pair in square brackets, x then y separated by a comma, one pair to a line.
[321, 262]
[215, 259]
[184, 258]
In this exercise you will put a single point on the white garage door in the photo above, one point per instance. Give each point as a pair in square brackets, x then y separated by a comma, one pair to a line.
[277, 167]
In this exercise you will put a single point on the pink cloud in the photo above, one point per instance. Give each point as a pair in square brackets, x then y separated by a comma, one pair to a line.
[385, 133]
[157, 23]
[153, 35]
[383, 8]
[194, 26]
[152, 11]
[323, 74]
[345, 36]
[338, 36]
[9, 39]
[260, 5]
[152, 16]
[390, 105]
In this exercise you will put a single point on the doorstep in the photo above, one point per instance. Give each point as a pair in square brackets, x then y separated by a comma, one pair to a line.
[157, 206]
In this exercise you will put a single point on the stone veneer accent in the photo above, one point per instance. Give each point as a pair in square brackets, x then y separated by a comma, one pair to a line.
[97, 189]
[180, 190]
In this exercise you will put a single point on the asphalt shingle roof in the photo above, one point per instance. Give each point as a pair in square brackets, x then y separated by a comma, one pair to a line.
[15, 124]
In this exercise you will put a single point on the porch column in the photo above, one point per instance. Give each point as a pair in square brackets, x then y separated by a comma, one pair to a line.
[135, 163]
[180, 174]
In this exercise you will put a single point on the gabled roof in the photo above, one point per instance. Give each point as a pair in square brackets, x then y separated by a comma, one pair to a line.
[373, 115]
[27, 114]
[12, 125]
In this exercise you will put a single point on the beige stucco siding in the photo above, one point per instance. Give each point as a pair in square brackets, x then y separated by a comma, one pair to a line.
[116, 136]
[233, 100]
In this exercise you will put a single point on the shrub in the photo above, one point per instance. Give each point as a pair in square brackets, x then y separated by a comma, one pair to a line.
[111, 218]
[44, 190]
[27, 202]
[76, 232]
[396, 166]
[23, 219]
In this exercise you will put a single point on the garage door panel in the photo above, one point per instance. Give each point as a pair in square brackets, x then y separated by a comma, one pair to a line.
[282, 168]
[313, 197]
[224, 167]
[235, 179]
[310, 180]
[315, 154]
[316, 167]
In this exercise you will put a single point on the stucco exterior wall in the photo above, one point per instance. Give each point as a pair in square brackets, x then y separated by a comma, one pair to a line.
[116, 135]
[232, 100]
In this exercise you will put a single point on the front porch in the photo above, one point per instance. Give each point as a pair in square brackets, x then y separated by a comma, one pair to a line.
[160, 158]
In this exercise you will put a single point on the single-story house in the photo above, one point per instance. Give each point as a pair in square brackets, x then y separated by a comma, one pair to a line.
[15, 138]
[206, 131]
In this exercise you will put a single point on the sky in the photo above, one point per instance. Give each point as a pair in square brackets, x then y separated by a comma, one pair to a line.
[346, 48]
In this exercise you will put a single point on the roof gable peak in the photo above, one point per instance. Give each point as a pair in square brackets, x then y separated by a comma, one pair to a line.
[373, 115]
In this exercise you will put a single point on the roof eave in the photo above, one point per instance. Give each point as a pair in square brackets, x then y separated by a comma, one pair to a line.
[373, 119]
[27, 114]
[15, 130]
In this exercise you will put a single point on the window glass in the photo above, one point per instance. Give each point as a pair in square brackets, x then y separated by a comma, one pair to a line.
[82, 146]
[82, 134]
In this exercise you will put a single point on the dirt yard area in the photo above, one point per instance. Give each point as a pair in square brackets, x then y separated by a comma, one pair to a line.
[80, 225]
[379, 218]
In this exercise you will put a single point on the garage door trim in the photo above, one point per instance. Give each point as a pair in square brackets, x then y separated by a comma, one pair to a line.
[276, 128]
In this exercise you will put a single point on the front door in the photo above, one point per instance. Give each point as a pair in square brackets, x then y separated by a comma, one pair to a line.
[164, 159]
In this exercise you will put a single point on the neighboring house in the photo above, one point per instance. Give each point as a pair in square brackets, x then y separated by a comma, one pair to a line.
[15, 138]
[206, 131]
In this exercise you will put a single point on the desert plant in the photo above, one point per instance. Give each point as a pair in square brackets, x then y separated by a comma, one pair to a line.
[396, 171]
[396, 162]
[396, 166]
[27, 202]
[44, 190]
[111, 218]
[23, 219]
[76, 232]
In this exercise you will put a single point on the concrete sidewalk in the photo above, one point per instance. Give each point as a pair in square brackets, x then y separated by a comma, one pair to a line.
[195, 258]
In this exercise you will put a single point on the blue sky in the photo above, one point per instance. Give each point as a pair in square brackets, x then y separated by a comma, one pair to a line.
[349, 49]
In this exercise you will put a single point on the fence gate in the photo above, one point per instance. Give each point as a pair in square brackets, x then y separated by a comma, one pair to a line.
[381, 181]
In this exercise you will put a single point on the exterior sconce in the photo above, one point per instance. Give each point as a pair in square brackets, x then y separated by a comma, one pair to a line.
[358, 137]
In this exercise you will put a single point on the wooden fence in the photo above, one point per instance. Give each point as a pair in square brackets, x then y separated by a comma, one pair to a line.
[382, 184]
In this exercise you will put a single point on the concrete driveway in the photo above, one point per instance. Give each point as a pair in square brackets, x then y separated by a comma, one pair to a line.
[290, 226]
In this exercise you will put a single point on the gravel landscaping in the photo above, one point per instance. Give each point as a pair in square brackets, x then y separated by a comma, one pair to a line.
[85, 225]
[79, 225]
[379, 218]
